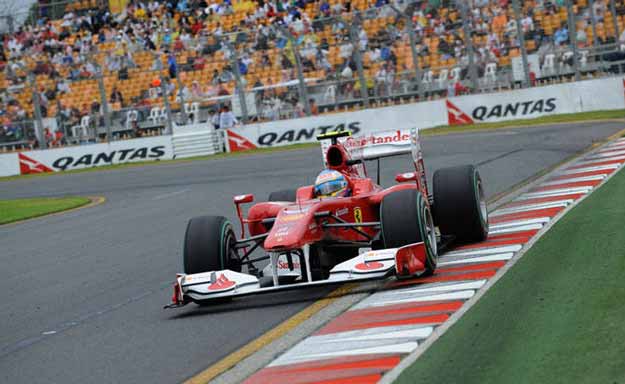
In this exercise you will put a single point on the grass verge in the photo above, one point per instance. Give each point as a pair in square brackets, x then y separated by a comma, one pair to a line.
[436, 131]
[22, 209]
[556, 317]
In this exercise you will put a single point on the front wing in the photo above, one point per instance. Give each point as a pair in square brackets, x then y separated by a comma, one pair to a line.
[203, 287]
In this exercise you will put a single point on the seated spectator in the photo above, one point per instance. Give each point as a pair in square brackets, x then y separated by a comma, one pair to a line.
[183, 94]
[210, 90]
[196, 91]
[48, 136]
[226, 75]
[172, 67]
[222, 91]
[63, 87]
[314, 110]
[59, 139]
[199, 63]
[561, 36]
[116, 96]
[381, 80]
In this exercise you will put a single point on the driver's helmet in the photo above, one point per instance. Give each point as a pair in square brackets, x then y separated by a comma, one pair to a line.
[331, 183]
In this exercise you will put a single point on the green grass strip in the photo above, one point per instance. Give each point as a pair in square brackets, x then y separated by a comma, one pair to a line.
[22, 209]
[558, 316]
[436, 131]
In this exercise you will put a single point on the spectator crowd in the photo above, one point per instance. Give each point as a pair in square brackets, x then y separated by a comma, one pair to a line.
[195, 50]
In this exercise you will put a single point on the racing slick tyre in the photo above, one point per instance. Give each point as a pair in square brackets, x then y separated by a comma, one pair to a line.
[459, 204]
[209, 245]
[405, 218]
[283, 195]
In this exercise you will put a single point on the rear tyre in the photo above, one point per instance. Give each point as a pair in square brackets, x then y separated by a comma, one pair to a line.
[209, 245]
[283, 195]
[459, 204]
[405, 218]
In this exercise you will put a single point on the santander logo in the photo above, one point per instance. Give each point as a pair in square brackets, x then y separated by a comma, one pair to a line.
[398, 138]
[285, 265]
[28, 165]
[455, 116]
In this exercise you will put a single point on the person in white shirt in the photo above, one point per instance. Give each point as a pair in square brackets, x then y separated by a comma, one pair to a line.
[213, 118]
[362, 37]
[346, 49]
[227, 118]
[63, 87]
[527, 23]
[381, 78]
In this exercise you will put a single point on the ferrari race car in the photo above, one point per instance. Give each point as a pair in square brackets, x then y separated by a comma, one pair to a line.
[311, 237]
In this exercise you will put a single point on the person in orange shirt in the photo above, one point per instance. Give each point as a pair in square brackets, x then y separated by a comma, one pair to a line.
[314, 110]
[499, 22]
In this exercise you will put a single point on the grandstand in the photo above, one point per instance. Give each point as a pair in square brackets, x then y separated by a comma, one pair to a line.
[182, 60]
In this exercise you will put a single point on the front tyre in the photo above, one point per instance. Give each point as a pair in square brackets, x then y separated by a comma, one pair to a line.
[459, 204]
[209, 245]
[405, 218]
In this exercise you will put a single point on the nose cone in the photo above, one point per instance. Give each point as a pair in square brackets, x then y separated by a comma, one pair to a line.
[290, 230]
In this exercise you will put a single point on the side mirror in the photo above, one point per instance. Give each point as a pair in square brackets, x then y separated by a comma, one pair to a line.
[404, 177]
[242, 199]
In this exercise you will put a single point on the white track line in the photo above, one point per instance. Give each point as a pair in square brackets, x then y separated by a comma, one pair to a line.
[605, 167]
[574, 180]
[520, 228]
[484, 251]
[605, 154]
[527, 208]
[414, 332]
[616, 158]
[516, 223]
[456, 295]
[390, 349]
[479, 259]
[554, 192]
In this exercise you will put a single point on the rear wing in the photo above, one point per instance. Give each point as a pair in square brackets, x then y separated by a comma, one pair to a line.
[379, 145]
[374, 146]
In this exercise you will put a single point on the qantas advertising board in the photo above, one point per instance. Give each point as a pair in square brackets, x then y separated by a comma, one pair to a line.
[365, 122]
[84, 156]
[583, 96]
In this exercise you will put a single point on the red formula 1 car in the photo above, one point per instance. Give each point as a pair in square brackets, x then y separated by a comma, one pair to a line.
[310, 239]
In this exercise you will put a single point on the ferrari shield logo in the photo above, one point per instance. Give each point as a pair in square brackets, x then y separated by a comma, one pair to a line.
[358, 215]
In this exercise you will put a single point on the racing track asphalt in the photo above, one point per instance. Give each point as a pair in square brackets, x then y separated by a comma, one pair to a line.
[82, 293]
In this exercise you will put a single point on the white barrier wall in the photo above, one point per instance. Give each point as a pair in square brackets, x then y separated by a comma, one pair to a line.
[305, 130]
[583, 96]
[83, 156]
[9, 164]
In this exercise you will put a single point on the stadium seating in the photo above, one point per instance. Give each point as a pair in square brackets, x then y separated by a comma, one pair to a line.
[187, 35]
